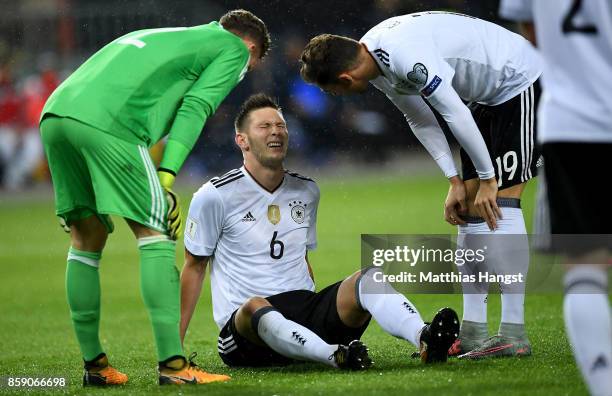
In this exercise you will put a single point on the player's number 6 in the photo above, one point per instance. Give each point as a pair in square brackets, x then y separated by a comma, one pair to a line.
[275, 242]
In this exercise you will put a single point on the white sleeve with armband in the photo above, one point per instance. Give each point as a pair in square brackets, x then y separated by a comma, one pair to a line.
[516, 10]
[204, 221]
[425, 127]
[461, 123]
[419, 65]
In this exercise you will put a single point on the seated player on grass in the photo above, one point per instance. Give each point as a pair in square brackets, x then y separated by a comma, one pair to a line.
[254, 226]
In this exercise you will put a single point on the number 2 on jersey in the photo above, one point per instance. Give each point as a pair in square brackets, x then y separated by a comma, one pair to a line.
[569, 25]
[273, 244]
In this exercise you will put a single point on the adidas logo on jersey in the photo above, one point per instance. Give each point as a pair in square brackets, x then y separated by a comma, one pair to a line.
[249, 217]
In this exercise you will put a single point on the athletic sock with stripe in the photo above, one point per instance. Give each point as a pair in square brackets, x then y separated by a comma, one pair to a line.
[391, 310]
[291, 339]
[159, 283]
[587, 320]
[83, 292]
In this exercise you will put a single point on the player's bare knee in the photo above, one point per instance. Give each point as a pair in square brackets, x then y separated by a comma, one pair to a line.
[244, 317]
[515, 191]
[471, 189]
[87, 241]
[351, 281]
[347, 298]
[88, 234]
[253, 304]
[141, 231]
[350, 311]
[246, 311]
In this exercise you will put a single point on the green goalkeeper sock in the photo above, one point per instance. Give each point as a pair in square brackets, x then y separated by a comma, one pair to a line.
[83, 291]
[159, 282]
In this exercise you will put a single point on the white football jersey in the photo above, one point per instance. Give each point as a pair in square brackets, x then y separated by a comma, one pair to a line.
[575, 38]
[482, 61]
[257, 239]
[450, 59]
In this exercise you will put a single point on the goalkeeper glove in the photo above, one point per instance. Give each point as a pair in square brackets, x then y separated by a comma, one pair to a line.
[174, 221]
[64, 225]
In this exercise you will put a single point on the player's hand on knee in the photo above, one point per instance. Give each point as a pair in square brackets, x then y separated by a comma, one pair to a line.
[455, 204]
[486, 202]
[175, 218]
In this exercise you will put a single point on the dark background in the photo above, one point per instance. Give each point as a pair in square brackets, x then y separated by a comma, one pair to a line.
[42, 41]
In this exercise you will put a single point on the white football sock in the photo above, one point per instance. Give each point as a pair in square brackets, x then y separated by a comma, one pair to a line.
[507, 254]
[513, 308]
[475, 307]
[512, 258]
[291, 339]
[391, 310]
[475, 294]
[587, 320]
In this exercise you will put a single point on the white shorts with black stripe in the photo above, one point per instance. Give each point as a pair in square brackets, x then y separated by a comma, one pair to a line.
[509, 131]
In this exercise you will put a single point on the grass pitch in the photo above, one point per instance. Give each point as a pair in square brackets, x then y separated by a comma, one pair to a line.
[36, 337]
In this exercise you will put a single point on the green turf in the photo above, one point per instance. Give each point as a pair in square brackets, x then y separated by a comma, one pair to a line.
[36, 337]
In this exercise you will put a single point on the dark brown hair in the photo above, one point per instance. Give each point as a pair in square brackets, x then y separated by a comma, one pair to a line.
[326, 56]
[245, 23]
[254, 102]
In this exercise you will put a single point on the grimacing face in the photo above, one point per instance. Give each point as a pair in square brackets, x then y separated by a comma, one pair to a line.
[267, 136]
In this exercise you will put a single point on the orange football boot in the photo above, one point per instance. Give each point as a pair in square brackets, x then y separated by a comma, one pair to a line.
[98, 372]
[179, 371]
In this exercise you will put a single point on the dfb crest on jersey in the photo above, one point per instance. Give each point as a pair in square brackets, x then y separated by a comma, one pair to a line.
[298, 211]
[274, 214]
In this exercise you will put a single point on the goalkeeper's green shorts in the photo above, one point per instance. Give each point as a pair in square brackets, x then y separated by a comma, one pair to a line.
[95, 173]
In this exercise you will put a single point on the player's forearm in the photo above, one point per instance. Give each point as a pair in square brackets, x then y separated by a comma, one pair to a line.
[192, 278]
[434, 141]
[180, 143]
[426, 128]
[473, 143]
[200, 103]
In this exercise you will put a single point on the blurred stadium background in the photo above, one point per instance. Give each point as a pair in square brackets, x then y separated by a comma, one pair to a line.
[43, 41]
[373, 175]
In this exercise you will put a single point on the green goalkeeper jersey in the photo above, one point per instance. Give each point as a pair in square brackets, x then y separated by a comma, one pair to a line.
[155, 82]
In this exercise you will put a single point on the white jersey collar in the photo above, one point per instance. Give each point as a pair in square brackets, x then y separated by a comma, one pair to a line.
[258, 186]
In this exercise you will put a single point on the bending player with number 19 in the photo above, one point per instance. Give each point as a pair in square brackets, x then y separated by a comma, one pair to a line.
[254, 226]
[482, 81]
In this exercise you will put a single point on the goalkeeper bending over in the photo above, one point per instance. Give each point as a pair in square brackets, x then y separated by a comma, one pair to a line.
[96, 128]
[254, 226]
